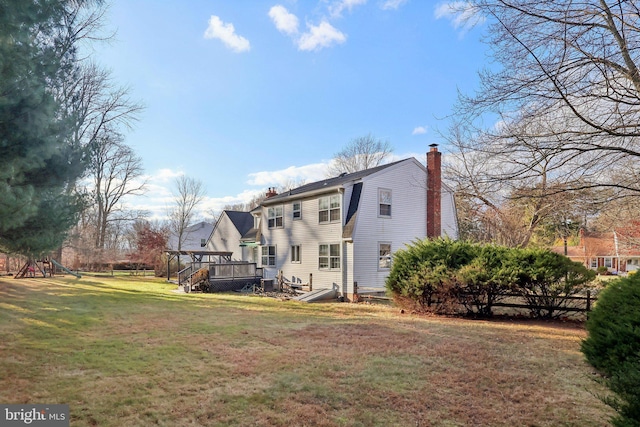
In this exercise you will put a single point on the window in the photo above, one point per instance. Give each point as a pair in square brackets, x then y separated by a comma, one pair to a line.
[268, 256]
[275, 217]
[297, 210]
[594, 262]
[203, 243]
[607, 263]
[329, 209]
[384, 256]
[329, 256]
[384, 201]
[295, 254]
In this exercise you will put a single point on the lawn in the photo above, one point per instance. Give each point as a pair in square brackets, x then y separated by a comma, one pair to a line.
[129, 351]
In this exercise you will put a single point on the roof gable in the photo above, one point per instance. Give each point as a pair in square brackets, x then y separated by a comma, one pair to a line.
[242, 221]
[334, 182]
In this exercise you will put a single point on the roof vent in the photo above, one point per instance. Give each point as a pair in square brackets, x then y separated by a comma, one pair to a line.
[342, 174]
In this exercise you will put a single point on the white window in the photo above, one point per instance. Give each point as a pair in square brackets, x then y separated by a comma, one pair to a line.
[384, 202]
[275, 217]
[297, 210]
[594, 262]
[384, 256]
[329, 209]
[607, 262]
[329, 256]
[269, 256]
[295, 254]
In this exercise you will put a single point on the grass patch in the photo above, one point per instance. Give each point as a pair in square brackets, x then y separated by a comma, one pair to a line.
[130, 351]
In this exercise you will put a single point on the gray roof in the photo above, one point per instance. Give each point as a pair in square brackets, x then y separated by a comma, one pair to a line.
[329, 182]
[243, 221]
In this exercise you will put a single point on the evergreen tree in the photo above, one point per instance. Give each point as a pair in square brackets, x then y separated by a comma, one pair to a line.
[38, 163]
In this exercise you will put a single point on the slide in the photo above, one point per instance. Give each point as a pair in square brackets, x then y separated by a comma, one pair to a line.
[62, 267]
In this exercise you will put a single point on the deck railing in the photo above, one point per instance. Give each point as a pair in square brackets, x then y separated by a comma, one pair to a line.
[234, 270]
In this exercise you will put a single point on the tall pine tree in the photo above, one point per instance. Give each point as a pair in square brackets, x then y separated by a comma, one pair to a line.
[38, 162]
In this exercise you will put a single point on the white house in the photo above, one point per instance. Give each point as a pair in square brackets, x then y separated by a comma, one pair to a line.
[194, 238]
[227, 234]
[342, 231]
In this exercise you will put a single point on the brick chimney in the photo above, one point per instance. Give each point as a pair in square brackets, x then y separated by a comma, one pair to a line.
[434, 188]
[271, 192]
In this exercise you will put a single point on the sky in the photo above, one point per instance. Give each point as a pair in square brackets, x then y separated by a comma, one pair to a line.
[248, 94]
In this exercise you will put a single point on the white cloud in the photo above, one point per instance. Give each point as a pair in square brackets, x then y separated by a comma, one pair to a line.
[227, 34]
[320, 36]
[392, 4]
[284, 177]
[338, 7]
[284, 21]
[463, 15]
[419, 130]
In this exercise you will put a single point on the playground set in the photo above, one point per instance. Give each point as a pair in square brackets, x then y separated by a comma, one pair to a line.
[42, 268]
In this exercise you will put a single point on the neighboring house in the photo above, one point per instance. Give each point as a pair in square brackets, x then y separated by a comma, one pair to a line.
[343, 231]
[618, 251]
[227, 234]
[195, 237]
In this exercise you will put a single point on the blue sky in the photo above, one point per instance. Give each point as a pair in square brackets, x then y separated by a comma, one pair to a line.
[247, 94]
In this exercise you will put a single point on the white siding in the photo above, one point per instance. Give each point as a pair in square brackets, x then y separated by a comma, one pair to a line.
[449, 217]
[226, 238]
[359, 255]
[308, 233]
[407, 182]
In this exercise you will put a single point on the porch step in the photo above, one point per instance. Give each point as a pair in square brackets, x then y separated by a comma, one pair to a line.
[319, 295]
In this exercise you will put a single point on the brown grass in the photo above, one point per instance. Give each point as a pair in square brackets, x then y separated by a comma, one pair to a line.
[128, 352]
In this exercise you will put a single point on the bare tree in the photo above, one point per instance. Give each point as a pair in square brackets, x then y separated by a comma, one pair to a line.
[568, 82]
[116, 170]
[189, 193]
[361, 153]
[523, 205]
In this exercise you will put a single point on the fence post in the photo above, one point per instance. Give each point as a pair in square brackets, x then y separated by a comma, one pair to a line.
[588, 301]
[310, 282]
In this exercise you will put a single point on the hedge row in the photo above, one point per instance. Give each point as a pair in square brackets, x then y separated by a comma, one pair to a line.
[446, 276]
[613, 346]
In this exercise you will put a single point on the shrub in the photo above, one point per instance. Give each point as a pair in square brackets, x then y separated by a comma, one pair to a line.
[613, 346]
[485, 280]
[442, 275]
[548, 281]
[423, 270]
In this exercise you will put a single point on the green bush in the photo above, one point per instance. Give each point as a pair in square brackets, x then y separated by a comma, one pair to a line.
[548, 281]
[423, 270]
[443, 275]
[485, 280]
[613, 346]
